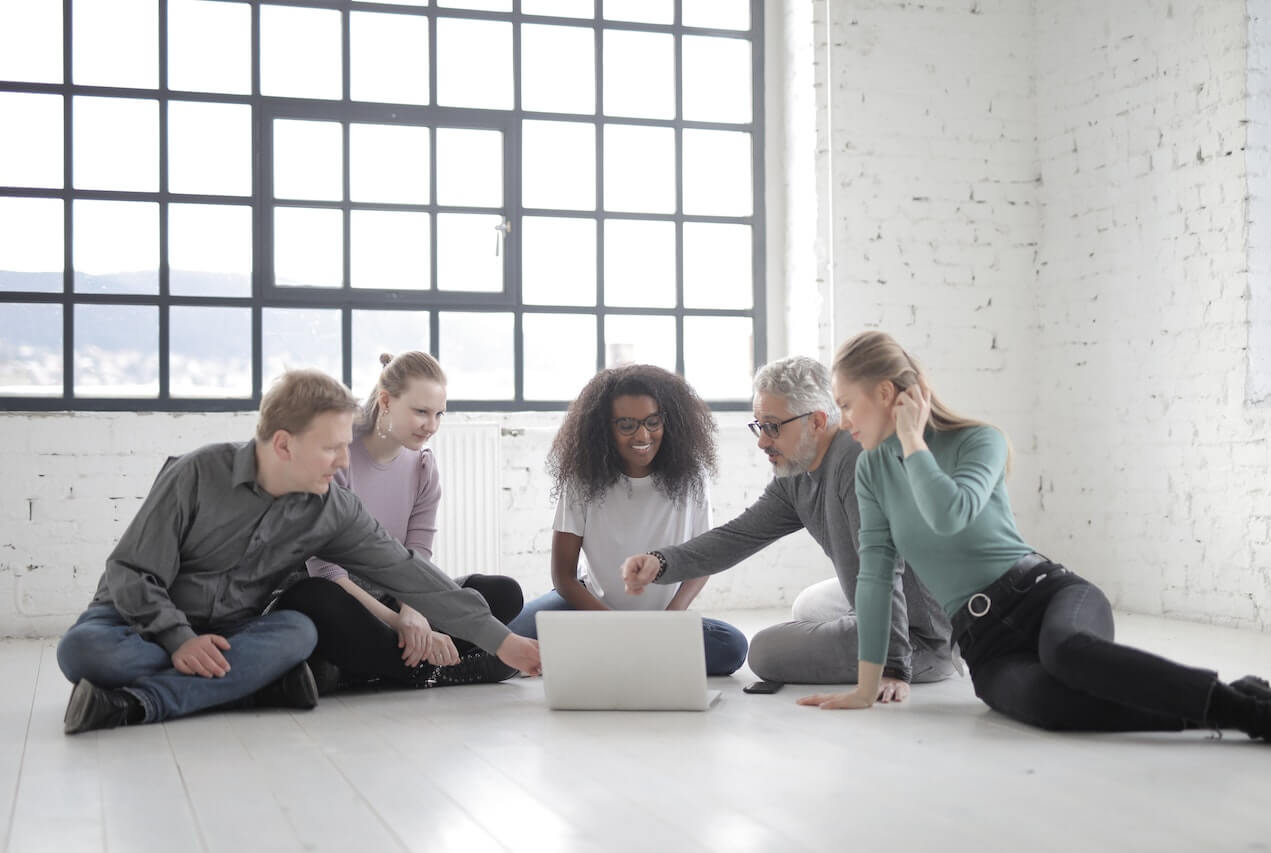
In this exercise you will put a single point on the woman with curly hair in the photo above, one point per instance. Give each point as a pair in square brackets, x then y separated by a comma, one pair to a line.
[630, 468]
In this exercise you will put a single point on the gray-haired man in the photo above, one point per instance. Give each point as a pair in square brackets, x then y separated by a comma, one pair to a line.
[797, 423]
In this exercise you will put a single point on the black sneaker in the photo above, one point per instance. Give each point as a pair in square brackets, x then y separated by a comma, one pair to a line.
[295, 689]
[476, 667]
[92, 707]
[1253, 686]
[326, 675]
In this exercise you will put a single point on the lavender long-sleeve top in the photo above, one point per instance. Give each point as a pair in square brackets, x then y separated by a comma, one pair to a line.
[402, 495]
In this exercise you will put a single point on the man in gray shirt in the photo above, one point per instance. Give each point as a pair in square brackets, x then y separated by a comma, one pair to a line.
[176, 626]
[797, 424]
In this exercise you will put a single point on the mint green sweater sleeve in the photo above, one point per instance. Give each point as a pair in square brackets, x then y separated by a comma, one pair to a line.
[878, 563]
[950, 502]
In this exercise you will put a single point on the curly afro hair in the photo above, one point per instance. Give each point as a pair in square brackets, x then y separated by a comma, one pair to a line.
[584, 458]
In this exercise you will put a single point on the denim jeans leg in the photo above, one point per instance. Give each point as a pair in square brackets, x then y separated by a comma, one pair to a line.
[260, 651]
[524, 623]
[725, 647]
[102, 647]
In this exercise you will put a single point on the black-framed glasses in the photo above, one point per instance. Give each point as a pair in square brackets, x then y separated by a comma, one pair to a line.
[770, 429]
[628, 426]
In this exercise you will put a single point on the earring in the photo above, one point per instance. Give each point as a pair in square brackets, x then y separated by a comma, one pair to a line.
[380, 429]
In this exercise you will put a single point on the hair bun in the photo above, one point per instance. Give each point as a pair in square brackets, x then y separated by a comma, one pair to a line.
[385, 358]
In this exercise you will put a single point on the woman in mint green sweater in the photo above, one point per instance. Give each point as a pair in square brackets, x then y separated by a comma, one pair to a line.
[1037, 638]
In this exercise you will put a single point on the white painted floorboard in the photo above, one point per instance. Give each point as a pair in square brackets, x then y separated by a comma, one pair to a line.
[489, 768]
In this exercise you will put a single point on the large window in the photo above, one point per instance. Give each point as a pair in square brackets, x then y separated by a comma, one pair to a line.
[198, 194]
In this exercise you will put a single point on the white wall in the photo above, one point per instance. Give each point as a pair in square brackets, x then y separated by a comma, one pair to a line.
[933, 170]
[1157, 467]
[1048, 202]
[74, 481]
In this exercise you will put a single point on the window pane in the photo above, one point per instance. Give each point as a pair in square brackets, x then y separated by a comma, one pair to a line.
[209, 46]
[210, 352]
[388, 58]
[209, 148]
[116, 144]
[31, 350]
[716, 14]
[645, 11]
[470, 167]
[32, 245]
[300, 52]
[719, 356]
[32, 158]
[474, 64]
[716, 79]
[639, 74]
[631, 339]
[116, 246]
[116, 351]
[393, 332]
[116, 43]
[717, 270]
[639, 263]
[558, 69]
[469, 252]
[560, 8]
[299, 337]
[558, 261]
[558, 165]
[389, 250]
[31, 42]
[640, 168]
[308, 160]
[717, 178]
[308, 247]
[485, 5]
[389, 163]
[560, 354]
[209, 250]
[476, 350]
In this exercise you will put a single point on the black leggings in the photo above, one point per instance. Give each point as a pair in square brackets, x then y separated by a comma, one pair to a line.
[1044, 654]
[363, 647]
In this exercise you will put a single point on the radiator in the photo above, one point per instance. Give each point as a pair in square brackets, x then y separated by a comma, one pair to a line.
[468, 531]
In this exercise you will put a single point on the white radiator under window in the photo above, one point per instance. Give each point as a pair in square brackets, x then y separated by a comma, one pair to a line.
[468, 531]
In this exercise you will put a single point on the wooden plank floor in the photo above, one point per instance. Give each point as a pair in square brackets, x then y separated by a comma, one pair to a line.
[489, 768]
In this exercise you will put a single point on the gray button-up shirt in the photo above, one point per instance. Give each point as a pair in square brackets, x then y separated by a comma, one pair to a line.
[824, 502]
[209, 546]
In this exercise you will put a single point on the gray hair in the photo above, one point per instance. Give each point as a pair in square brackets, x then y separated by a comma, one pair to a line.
[804, 383]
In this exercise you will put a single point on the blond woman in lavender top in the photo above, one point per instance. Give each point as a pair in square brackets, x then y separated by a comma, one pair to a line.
[364, 634]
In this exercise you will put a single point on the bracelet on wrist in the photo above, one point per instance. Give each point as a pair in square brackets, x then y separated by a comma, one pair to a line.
[661, 565]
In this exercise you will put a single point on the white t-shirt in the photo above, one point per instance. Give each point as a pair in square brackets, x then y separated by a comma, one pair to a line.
[633, 517]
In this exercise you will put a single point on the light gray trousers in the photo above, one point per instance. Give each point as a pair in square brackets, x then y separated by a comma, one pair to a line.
[820, 645]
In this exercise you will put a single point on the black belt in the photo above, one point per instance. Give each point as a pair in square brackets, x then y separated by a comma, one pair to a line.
[1014, 581]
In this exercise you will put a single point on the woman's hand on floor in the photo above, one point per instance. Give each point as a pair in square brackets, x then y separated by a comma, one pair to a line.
[852, 700]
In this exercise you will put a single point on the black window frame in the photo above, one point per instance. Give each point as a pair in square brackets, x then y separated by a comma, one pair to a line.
[264, 294]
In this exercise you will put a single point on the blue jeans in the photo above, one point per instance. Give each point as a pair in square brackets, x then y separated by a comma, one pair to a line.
[725, 645]
[102, 647]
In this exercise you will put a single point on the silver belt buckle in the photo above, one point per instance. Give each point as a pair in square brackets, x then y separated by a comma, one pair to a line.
[970, 605]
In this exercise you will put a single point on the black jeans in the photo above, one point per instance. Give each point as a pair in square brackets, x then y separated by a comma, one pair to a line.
[1043, 654]
[363, 647]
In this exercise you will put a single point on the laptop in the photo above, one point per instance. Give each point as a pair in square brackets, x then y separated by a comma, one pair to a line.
[643, 660]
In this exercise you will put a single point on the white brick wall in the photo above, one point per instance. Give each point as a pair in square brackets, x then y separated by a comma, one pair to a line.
[1155, 473]
[74, 481]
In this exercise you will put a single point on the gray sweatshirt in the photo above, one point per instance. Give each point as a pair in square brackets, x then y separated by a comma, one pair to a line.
[824, 502]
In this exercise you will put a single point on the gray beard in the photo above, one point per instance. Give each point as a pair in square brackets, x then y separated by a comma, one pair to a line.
[804, 453]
